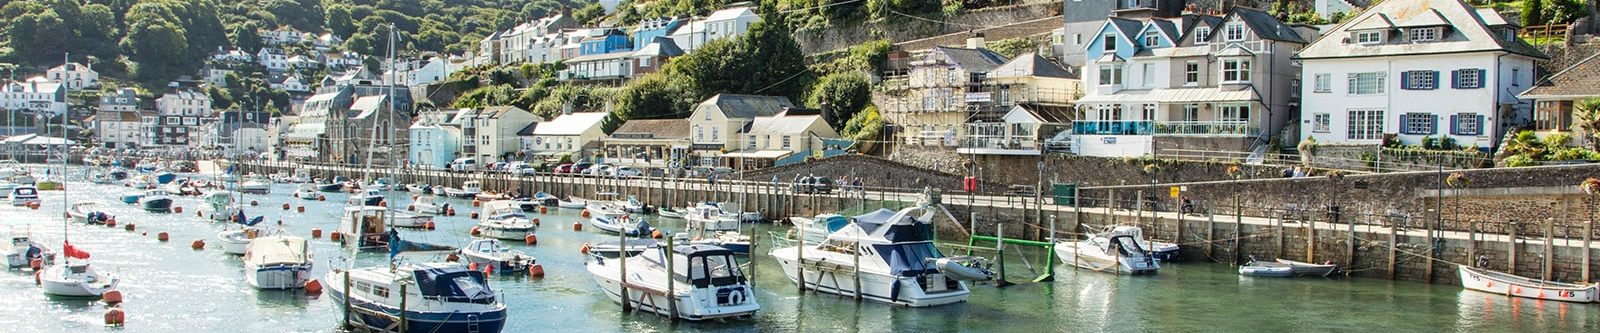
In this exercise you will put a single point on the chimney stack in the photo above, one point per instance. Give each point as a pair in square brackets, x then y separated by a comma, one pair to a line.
[827, 113]
[976, 41]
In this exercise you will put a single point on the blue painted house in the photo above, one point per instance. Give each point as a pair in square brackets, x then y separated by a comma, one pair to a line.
[602, 41]
[649, 29]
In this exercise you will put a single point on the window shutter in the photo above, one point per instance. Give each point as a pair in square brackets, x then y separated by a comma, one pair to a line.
[1453, 129]
[1479, 84]
[1455, 79]
[1479, 130]
[1405, 82]
[1435, 75]
[1405, 121]
[1433, 126]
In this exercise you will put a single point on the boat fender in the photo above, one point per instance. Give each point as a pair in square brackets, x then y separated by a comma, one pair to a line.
[894, 291]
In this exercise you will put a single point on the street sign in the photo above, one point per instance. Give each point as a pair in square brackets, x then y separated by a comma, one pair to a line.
[1175, 191]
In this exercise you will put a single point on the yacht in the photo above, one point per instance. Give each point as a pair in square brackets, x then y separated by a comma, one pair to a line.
[490, 252]
[502, 219]
[24, 250]
[706, 282]
[430, 297]
[277, 262]
[1117, 251]
[898, 263]
[156, 201]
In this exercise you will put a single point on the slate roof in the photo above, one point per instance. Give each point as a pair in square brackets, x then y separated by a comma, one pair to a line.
[1167, 28]
[1580, 80]
[1030, 64]
[1129, 28]
[527, 130]
[654, 129]
[736, 106]
[972, 60]
[1266, 26]
[1469, 32]
[570, 124]
[1049, 113]
[660, 46]
[493, 112]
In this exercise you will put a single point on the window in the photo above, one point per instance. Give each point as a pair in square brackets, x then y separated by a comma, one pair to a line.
[644, 62]
[1516, 74]
[1234, 32]
[1191, 112]
[1151, 38]
[714, 131]
[1466, 124]
[1321, 123]
[1366, 83]
[1552, 115]
[1420, 80]
[1109, 111]
[699, 133]
[786, 142]
[1191, 73]
[1235, 70]
[1110, 41]
[1424, 34]
[1077, 39]
[1110, 74]
[708, 116]
[1366, 125]
[1471, 78]
[1148, 112]
[1149, 75]
[1417, 123]
[1324, 83]
[951, 76]
[750, 142]
[1369, 37]
[1238, 112]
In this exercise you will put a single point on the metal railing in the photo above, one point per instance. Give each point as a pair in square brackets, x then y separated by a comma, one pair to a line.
[1207, 128]
[999, 142]
[1112, 127]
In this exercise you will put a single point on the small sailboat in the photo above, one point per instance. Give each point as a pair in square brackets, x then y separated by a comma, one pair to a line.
[300, 176]
[155, 201]
[88, 213]
[502, 219]
[70, 278]
[236, 240]
[277, 262]
[24, 195]
[1116, 252]
[490, 252]
[409, 220]
[24, 250]
[706, 282]
[1494, 282]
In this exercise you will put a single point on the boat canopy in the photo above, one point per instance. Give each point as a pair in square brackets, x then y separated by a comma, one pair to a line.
[897, 232]
[274, 250]
[909, 259]
[453, 284]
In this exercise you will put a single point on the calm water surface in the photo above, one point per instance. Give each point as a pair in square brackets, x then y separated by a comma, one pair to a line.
[171, 288]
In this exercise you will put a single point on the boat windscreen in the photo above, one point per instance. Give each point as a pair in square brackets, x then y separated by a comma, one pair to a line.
[462, 286]
[1128, 246]
[714, 270]
[909, 259]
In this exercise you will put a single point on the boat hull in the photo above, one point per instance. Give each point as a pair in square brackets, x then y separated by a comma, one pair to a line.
[505, 233]
[367, 314]
[836, 279]
[1500, 283]
[160, 205]
[277, 277]
[658, 301]
[1068, 252]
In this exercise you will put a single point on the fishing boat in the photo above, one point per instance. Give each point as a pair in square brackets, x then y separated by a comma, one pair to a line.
[155, 201]
[430, 205]
[117, 173]
[1162, 251]
[890, 252]
[469, 189]
[488, 252]
[502, 219]
[363, 227]
[236, 239]
[380, 184]
[24, 250]
[430, 297]
[1285, 268]
[700, 282]
[88, 213]
[1116, 252]
[24, 195]
[255, 185]
[1494, 282]
[309, 192]
[277, 262]
[710, 216]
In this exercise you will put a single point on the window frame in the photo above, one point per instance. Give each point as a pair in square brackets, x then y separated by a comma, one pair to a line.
[1365, 125]
[1110, 74]
[1191, 73]
[1322, 122]
[1233, 32]
[1202, 35]
[1362, 37]
[1378, 84]
[1152, 38]
[1240, 71]
[1415, 34]
[1109, 42]
[1323, 83]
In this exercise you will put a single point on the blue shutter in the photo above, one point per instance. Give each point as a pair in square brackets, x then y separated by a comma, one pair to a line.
[1453, 129]
[1479, 130]
[1455, 79]
[1480, 84]
[1405, 84]
[1405, 119]
[1435, 75]
[1433, 126]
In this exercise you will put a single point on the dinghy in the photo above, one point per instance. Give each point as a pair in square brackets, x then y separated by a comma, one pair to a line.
[1511, 285]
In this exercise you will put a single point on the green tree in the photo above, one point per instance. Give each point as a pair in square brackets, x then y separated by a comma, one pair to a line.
[158, 47]
[846, 93]
[1532, 12]
[247, 37]
[1587, 114]
[339, 21]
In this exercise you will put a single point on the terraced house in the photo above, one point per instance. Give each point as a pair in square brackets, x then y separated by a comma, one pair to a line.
[1188, 84]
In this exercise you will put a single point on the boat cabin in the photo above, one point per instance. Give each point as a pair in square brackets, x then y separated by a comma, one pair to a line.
[366, 224]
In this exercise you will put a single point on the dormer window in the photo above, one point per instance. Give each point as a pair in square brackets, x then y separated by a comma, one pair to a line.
[1423, 34]
[1110, 41]
[1234, 32]
[1202, 34]
[1369, 37]
[1151, 39]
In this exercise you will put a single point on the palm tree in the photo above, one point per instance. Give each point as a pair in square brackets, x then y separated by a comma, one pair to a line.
[1587, 114]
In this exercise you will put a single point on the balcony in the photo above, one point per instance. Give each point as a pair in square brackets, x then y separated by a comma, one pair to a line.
[998, 145]
[1144, 127]
[1112, 127]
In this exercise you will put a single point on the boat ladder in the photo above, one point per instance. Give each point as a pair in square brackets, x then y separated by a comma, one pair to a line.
[472, 323]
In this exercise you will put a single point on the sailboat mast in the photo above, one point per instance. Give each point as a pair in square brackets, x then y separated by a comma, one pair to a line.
[65, 59]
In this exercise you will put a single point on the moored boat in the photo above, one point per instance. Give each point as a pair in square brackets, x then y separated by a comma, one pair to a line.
[705, 282]
[1115, 252]
[309, 192]
[24, 195]
[490, 252]
[277, 262]
[430, 205]
[24, 250]
[1511, 285]
[155, 201]
[88, 213]
[430, 297]
[502, 219]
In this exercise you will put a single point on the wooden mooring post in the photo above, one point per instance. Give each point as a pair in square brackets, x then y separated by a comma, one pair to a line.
[1549, 249]
[1393, 247]
[1511, 249]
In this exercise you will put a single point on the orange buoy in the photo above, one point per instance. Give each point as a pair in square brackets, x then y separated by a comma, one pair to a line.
[301, 209]
[536, 222]
[38, 277]
[197, 214]
[111, 222]
[577, 226]
[411, 208]
[114, 317]
[177, 210]
[585, 213]
[536, 271]
[198, 244]
[488, 269]
[322, 198]
[472, 266]
[450, 211]
[162, 236]
[474, 215]
[33, 205]
[655, 234]
[128, 227]
[544, 210]
[336, 236]
[530, 240]
[475, 231]
[584, 249]
[413, 197]
[316, 233]
[254, 203]
[112, 297]
[313, 287]
[476, 203]
[428, 225]
[285, 206]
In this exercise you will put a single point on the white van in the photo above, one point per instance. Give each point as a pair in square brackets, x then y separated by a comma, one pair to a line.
[464, 164]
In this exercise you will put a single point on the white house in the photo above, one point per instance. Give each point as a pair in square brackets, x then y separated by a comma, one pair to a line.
[33, 96]
[491, 134]
[273, 59]
[793, 132]
[292, 83]
[327, 41]
[420, 72]
[718, 122]
[723, 23]
[281, 35]
[180, 114]
[117, 121]
[1415, 69]
[302, 62]
[435, 141]
[75, 76]
[1328, 8]
[566, 134]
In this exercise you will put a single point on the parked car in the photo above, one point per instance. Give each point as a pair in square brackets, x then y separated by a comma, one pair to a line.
[626, 171]
[814, 184]
[516, 166]
[599, 170]
[497, 167]
[581, 167]
[564, 168]
[526, 171]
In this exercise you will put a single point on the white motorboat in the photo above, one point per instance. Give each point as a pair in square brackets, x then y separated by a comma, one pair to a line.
[430, 205]
[1163, 251]
[155, 201]
[430, 297]
[75, 279]
[573, 203]
[438, 190]
[608, 217]
[24, 195]
[277, 262]
[817, 228]
[482, 252]
[1285, 268]
[220, 207]
[255, 185]
[88, 213]
[731, 240]
[309, 192]
[1511, 285]
[896, 255]
[419, 188]
[367, 197]
[671, 213]
[24, 250]
[1116, 252]
[502, 219]
[706, 282]
[469, 189]
[300, 176]
[710, 216]
[408, 220]
[633, 205]
[612, 248]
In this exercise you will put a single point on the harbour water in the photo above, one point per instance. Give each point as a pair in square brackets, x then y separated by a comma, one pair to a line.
[171, 288]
